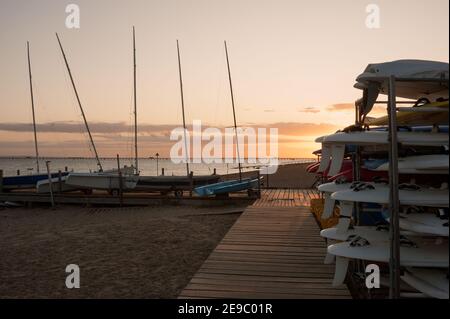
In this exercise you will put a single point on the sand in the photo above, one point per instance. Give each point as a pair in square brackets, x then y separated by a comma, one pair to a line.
[141, 252]
[146, 252]
[287, 176]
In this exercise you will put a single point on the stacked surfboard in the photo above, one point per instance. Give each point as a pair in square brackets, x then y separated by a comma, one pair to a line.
[423, 168]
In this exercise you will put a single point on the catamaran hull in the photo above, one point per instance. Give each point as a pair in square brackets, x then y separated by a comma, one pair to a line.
[102, 181]
[58, 186]
[171, 183]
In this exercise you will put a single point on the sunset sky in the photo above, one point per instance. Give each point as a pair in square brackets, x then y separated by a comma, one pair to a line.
[293, 65]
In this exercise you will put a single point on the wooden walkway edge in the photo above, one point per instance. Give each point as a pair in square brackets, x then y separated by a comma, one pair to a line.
[273, 251]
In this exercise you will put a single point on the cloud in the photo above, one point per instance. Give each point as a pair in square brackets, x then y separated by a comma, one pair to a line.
[341, 107]
[95, 127]
[301, 129]
[309, 109]
[344, 107]
[65, 138]
[269, 110]
[157, 130]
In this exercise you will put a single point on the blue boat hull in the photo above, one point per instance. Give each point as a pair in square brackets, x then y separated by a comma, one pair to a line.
[26, 181]
[226, 187]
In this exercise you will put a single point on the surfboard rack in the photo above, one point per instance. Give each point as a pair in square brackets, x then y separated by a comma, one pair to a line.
[390, 82]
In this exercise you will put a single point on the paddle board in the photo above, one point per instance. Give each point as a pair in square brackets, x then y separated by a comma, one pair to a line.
[424, 223]
[381, 137]
[429, 114]
[380, 195]
[425, 254]
[337, 158]
[325, 159]
[431, 282]
[371, 233]
[421, 164]
[327, 189]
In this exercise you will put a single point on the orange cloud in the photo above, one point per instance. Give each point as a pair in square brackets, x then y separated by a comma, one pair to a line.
[344, 107]
[309, 109]
[68, 138]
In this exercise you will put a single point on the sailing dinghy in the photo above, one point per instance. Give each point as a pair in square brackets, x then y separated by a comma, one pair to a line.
[111, 180]
[232, 185]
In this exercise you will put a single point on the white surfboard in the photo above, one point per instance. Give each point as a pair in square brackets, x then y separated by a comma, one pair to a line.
[381, 137]
[426, 254]
[422, 164]
[337, 158]
[432, 282]
[327, 189]
[380, 195]
[424, 223]
[371, 233]
[325, 158]
[333, 187]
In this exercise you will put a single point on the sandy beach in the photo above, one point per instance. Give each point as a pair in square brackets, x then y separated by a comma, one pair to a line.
[147, 252]
[129, 252]
[288, 176]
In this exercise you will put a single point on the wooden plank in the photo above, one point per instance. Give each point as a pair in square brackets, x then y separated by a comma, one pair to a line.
[253, 295]
[274, 250]
[298, 289]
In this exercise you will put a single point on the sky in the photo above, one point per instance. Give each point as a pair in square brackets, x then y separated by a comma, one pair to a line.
[293, 66]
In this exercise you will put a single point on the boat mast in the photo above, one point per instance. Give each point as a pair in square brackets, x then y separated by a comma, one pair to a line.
[182, 109]
[79, 104]
[32, 109]
[135, 104]
[234, 112]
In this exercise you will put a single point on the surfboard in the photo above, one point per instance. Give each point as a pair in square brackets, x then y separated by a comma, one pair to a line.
[432, 282]
[429, 114]
[381, 137]
[424, 223]
[365, 175]
[421, 164]
[337, 158]
[325, 159]
[327, 189]
[425, 254]
[333, 187]
[380, 195]
[371, 233]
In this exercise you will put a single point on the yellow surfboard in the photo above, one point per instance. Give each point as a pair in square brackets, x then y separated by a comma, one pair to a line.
[435, 113]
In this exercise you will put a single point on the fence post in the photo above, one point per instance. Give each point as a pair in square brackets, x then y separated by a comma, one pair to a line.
[60, 181]
[50, 185]
[191, 183]
[120, 181]
[259, 184]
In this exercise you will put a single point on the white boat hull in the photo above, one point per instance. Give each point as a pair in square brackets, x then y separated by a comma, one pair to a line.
[58, 185]
[104, 181]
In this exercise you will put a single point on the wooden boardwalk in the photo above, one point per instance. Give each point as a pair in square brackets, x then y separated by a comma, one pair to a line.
[272, 251]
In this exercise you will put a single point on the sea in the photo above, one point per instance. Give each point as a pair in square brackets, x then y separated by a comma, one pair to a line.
[147, 166]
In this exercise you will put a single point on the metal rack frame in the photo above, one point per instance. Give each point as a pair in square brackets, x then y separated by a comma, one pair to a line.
[394, 202]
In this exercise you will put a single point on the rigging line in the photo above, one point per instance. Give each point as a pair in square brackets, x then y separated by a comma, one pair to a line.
[182, 109]
[135, 103]
[32, 108]
[79, 104]
[70, 102]
[234, 112]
